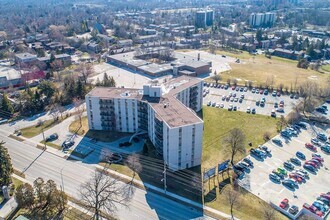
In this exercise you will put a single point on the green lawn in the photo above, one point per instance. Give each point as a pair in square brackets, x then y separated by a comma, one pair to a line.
[326, 68]
[50, 144]
[218, 122]
[34, 130]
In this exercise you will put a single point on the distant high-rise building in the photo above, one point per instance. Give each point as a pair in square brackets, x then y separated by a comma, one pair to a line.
[209, 17]
[262, 19]
[200, 19]
[204, 18]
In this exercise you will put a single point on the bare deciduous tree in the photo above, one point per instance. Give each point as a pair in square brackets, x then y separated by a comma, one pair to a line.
[233, 199]
[216, 78]
[102, 193]
[235, 140]
[86, 70]
[308, 91]
[281, 123]
[133, 162]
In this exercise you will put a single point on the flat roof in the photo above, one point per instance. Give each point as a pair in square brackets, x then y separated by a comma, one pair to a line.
[25, 55]
[174, 115]
[156, 68]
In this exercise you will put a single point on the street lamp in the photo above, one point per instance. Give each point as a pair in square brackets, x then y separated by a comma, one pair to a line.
[43, 136]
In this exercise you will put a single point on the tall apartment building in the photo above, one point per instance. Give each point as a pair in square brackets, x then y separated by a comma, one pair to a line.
[204, 18]
[166, 112]
[262, 19]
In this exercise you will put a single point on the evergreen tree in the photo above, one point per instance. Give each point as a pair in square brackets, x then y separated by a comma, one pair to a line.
[6, 168]
[80, 89]
[259, 35]
[6, 105]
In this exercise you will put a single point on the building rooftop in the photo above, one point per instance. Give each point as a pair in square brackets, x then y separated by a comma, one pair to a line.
[25, 56]
[168, 107]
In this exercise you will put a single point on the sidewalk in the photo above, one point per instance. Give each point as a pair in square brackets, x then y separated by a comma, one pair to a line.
[144, 186]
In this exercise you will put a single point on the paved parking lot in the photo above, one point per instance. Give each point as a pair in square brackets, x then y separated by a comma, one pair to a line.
[250, 99]
[257, 180]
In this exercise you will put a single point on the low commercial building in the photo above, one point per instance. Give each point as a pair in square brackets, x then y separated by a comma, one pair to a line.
[165, 112]
[181, 64]
[26, 58]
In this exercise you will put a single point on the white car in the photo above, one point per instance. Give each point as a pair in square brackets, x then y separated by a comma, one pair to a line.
[248, 110]
[217, 105]
[222, 105]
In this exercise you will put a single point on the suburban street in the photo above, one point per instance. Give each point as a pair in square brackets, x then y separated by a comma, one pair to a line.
[37, 163]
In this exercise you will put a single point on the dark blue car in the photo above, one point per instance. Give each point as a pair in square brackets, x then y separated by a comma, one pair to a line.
[301, 155]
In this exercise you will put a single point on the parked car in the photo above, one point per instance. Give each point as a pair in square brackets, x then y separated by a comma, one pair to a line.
[302, 172]
[273, 113]
[324, 200]
[315, 141]
[293, 210]
[313, 209]
[52, 137]
[288, 184]
[274, 177]
[288, 165]
[284, 204]
[253, 111]
[309, 167]
[68, 143]
[209, 103]
[296, 161]
[322, 137]
[280, 175]
[326, 149]
[277, 141]
[302, 125]
[310, 147]
[282, 171]
[248, 110]
[300, 155]
[266, 149]
[248, 161]
[296, 177]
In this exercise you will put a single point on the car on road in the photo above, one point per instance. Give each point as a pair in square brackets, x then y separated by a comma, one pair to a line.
[67, 143]
[295, 161]
[293, 210]
[310, 147]
[284, 203]
[52, 137]
[277, 141]
[300, 155]
[309, 168]
[248, 161]
[288, 165]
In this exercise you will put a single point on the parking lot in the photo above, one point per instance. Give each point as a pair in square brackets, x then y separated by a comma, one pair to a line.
[258, 182]
[215, 95]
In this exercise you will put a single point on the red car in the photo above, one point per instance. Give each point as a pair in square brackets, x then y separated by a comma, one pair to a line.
[315, 211]
[284, 204]
[233, 87]
[324, 195]
[312, 164]
[295, 177]
[310, 146]
[318, 159]
[261, 91]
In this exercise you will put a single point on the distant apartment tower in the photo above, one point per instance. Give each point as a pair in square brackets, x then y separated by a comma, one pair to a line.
[262, 19]
[165, 112]
[204, 18]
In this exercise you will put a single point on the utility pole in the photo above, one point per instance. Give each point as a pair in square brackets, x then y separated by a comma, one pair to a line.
[43, 136]
[62, 179]
[164, 179]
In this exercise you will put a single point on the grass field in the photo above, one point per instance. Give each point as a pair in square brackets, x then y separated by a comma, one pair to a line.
[34, 130]
[50, 144]
[259, 69]
[218, 122]
[326, 68]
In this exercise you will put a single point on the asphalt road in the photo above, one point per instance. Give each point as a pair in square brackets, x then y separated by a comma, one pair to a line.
[144, 205]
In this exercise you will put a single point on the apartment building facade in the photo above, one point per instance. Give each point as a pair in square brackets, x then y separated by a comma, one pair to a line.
[166, 112]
